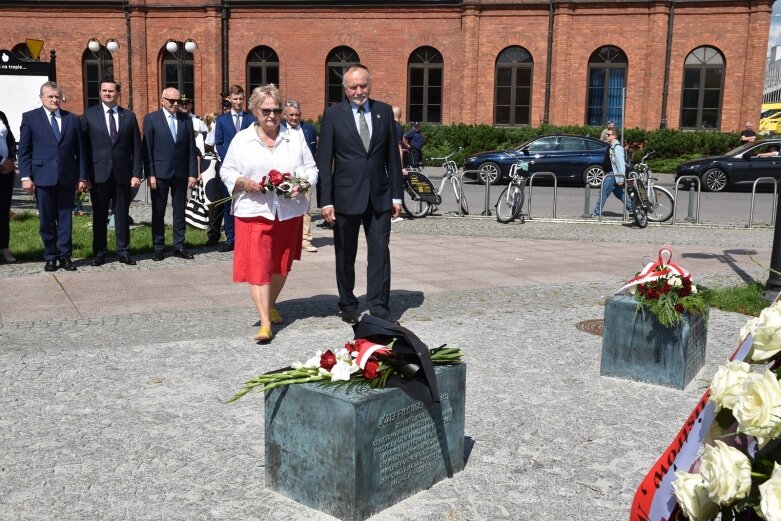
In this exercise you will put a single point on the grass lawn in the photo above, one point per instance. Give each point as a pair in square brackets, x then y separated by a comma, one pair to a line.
[26, 241]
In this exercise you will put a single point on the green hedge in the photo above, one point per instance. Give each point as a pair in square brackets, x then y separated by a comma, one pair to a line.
[669, 145]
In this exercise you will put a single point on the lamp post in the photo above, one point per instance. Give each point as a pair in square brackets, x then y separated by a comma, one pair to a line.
[178, 66]
[104, 61]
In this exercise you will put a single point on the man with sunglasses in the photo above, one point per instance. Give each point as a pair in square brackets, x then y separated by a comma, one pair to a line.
[169, 154]
[360, 185]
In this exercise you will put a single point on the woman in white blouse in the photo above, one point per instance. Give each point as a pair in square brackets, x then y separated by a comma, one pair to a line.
[7, 171]
[268, 226]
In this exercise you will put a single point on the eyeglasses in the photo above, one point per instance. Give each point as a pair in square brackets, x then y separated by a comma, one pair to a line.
[267, 112]
[172, 101]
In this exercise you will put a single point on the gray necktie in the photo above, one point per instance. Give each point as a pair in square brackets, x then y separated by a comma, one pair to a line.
[363, 127]
[238, 122]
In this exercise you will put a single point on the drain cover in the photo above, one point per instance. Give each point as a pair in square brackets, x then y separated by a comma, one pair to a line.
[595, 326]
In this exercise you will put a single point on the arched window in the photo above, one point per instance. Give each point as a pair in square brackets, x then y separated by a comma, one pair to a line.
[513, 86]
[703, 82]
[606, 82]
[262, 68]
[22, 53]
[336, 64]
[424, 94]
[95, 67]
[178, 71]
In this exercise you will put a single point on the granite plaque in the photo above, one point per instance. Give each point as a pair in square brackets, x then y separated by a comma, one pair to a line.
[353, 452]
[636, 346]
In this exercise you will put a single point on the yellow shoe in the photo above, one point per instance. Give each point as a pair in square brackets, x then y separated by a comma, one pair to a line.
[264, 334]
[275, 317]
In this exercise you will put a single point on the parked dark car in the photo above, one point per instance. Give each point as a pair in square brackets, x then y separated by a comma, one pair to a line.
[739, 167]
[575, 159]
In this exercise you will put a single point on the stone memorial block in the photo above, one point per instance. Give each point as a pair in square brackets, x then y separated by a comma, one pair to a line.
[352, 452]
[636, 346]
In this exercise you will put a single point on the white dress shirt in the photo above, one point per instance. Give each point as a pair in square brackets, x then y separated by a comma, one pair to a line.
[248, 157]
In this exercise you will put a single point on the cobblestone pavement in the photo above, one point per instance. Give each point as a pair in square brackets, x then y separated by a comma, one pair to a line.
[121, 415]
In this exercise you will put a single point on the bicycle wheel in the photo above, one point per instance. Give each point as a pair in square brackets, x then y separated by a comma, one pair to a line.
[415, 208]
[663, 206]
[509, 204]
[457, 191]
[640, 214]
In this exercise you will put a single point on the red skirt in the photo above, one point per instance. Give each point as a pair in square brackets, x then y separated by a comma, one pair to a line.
[263, 248]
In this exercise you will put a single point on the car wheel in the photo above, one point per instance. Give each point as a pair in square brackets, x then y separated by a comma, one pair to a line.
[714, 180]
[593, 176]
[490, 171]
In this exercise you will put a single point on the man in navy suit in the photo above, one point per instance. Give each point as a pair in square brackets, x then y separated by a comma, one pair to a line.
[360, 183]
[226, 127]
[169, 155]
[52, 165]
[113, 144]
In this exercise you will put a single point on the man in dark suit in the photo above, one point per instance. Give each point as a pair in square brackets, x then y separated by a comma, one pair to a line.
[226, 127]
[170, 164]
[113, 144]
[360, 183]
[52, 165]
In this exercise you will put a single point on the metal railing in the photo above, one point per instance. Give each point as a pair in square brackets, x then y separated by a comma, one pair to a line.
[754, 194]
[675, 198]
[555, 191]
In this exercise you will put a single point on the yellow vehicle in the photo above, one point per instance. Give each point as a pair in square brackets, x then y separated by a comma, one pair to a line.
[770, 119]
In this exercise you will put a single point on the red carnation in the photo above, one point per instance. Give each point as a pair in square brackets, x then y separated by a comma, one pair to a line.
[664, 289]
[275, 177]
[351, 348]
[652, 294]
[684, 291]
[327, 360]
[371, 369]
[679, 308]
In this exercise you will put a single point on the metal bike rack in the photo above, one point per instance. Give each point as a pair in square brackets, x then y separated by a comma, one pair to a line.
[675, 197]
[754, 194]
[602, 203]
[555, 190]
[487, 210]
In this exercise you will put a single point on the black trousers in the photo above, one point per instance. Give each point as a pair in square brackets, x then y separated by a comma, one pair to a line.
[103, 196]
[6, 194]
[376, 228]
[178, 190]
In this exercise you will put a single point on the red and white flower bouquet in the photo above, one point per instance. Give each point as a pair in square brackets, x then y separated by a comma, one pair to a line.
[359, 362]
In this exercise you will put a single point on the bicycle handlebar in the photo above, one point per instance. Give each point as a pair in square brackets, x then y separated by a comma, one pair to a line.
[447, 157]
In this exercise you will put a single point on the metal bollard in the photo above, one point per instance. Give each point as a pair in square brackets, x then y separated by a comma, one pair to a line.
[487, 210]
[587, 201]
[690, 212]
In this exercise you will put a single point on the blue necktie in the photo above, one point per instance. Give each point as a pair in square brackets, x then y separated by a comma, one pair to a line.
[55, 128]
[172, 124]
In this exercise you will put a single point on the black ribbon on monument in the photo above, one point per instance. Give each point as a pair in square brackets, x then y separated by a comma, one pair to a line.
[411, 355]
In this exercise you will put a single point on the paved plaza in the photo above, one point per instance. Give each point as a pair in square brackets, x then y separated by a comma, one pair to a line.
[113, 380]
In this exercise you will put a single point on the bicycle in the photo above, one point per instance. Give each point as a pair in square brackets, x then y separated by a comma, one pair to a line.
[420, 196]
[649, 202]
[510, 203]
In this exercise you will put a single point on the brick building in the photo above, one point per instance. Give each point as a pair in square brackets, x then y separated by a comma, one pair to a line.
[682, 63]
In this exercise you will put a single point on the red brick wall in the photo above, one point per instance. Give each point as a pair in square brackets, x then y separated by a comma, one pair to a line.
[469, 36]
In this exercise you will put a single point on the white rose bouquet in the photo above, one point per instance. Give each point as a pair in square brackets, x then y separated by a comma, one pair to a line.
[738, 473]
